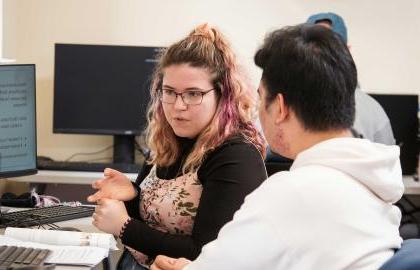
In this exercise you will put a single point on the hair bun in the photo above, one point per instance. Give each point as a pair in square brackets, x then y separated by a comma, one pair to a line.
[205, 31]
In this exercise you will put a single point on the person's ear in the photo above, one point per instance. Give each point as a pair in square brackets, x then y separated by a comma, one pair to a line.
[281, 109]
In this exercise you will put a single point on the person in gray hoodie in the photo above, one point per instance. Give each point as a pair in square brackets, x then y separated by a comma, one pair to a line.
[334, 208]
[371, 121]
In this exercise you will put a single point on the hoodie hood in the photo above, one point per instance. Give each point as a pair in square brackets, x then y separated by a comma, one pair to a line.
[376, 166]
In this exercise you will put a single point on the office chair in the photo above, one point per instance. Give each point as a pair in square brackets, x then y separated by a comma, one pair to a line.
[406, 258]
[410, 223]
[275, 162]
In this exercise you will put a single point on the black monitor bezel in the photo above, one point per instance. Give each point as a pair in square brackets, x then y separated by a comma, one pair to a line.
[11, 174]
[95, 131]
[407, 157]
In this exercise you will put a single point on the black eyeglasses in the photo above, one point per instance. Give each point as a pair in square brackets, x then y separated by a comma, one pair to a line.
[191, 97]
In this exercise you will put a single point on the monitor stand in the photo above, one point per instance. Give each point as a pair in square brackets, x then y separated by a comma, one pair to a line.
[124, 149]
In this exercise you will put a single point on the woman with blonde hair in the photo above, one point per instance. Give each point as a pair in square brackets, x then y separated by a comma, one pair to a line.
[206, 156]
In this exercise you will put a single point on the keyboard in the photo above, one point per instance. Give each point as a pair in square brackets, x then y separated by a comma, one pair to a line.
[13, 257]
[44, 164]
[44, 215]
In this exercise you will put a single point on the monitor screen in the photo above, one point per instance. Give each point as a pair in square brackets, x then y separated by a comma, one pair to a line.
[103, 89]
[17, 120]
[402, 112]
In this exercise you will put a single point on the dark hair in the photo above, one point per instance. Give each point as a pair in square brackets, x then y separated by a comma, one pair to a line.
[313, 69]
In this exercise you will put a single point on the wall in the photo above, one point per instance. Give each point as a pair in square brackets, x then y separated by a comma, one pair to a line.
[384, 39]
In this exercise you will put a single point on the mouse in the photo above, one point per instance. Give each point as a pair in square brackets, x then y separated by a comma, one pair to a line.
[71, 229]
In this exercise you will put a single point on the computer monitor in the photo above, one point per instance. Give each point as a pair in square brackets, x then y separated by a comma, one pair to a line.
[17, 120]
[402, 112]
[103, 89]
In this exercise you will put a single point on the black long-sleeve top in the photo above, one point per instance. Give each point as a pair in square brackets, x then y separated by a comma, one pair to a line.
[228, 174]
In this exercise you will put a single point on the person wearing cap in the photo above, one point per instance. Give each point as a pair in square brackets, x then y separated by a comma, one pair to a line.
[371, 121]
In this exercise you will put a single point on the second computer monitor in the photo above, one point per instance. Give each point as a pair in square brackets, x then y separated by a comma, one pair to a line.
[402, 112]
[103, 89]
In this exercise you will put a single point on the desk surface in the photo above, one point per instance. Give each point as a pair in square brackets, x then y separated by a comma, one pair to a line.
[66, 177]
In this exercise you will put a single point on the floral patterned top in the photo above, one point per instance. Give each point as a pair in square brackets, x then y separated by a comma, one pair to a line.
[168, 206]
[176, 215]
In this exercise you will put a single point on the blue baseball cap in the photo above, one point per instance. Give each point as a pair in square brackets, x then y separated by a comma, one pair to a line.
[337, 23]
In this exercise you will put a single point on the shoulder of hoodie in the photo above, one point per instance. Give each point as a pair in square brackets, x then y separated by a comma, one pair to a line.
[303, 190]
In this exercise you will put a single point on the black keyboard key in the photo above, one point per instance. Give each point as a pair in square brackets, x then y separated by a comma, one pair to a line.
[2, 248]
[13, 257]
[23, 255]
[6, 253]
[42, 255]
[31, 256]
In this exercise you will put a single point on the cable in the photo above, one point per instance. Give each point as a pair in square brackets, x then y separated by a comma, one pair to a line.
[108, 159]
[142, 149]
[89, 153]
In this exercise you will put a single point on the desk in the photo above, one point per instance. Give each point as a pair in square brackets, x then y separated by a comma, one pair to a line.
[65, 185]
[65, 177]
[87, 178]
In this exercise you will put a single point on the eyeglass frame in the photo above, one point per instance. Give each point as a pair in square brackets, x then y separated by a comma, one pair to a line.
[202, 92]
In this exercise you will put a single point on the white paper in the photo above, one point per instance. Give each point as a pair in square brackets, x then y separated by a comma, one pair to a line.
[68, 238]
[72, 255]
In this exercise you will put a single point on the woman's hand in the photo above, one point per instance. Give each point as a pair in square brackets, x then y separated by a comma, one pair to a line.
[115, 185]
[110, 216]
[167, 263]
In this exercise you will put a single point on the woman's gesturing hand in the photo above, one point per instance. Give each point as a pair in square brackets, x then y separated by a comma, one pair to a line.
[115, 185]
